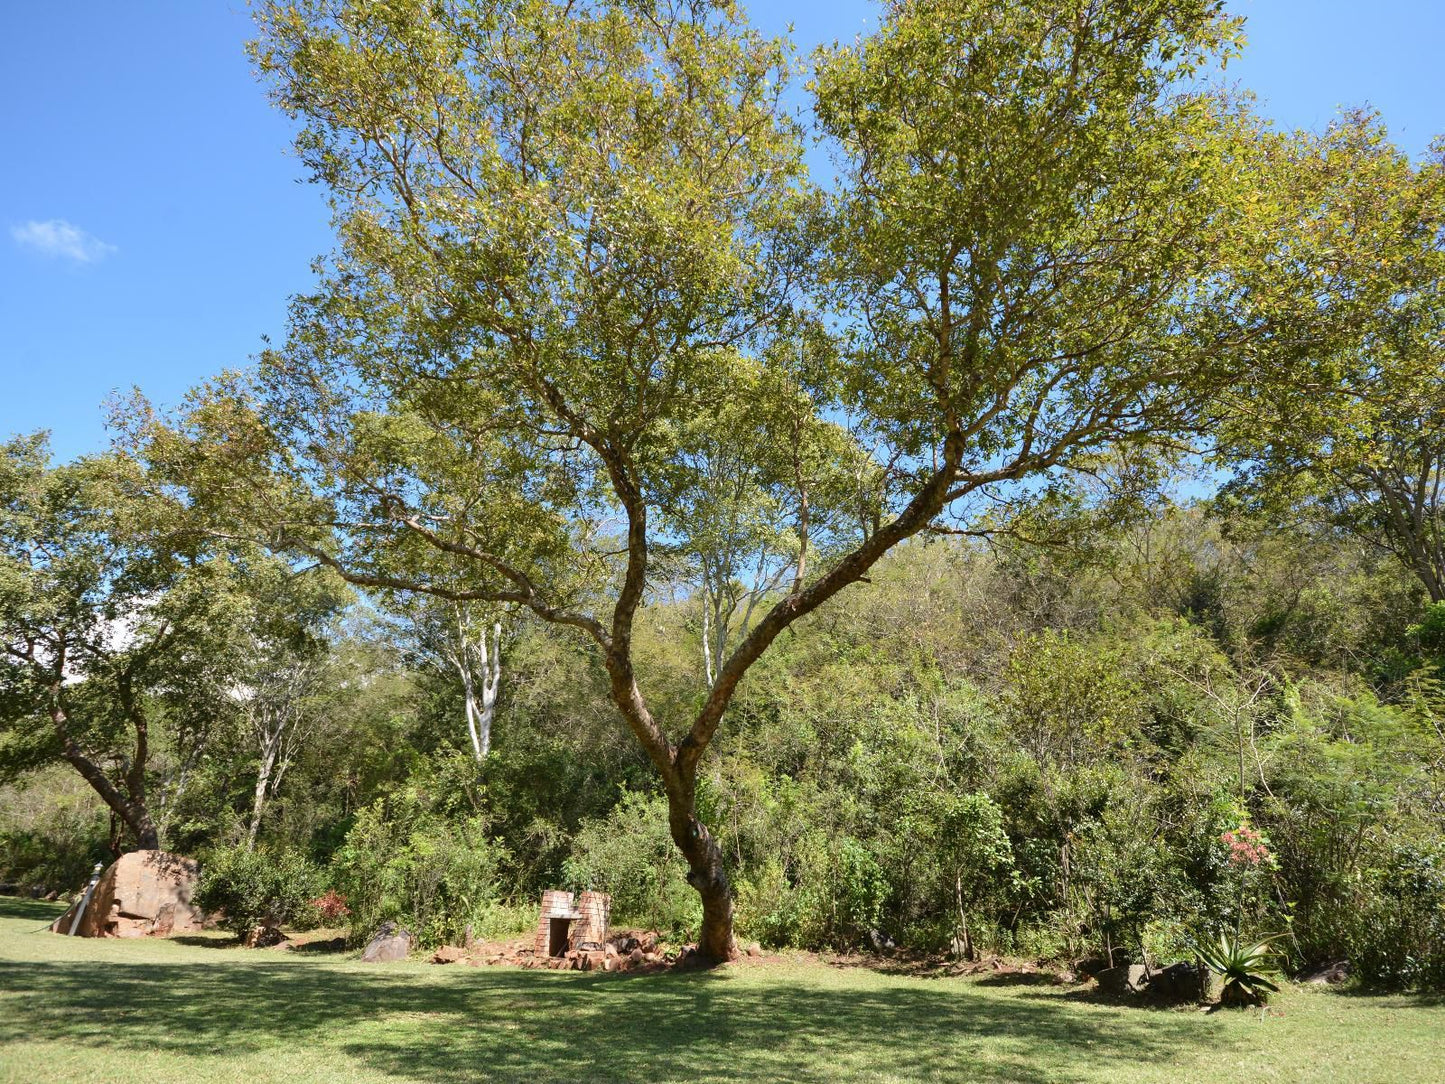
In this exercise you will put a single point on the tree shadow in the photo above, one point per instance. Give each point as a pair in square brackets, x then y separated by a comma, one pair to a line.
[210, 941]
[41, 912]
[1415, 999]
[1018, 978]
[459, 1024]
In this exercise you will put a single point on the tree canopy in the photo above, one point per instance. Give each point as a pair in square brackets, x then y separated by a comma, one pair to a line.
[589, 327]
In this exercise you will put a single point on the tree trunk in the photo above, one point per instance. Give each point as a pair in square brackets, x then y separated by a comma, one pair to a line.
[706, 873]
[964, 935]
[129, 809]
[263, 780]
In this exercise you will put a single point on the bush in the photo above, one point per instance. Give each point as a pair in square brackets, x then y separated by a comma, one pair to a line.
[1400, 944]
[404, 862]
[331, 907]
[630, 855]
[258, 888]
[52, 832]
[836, 894]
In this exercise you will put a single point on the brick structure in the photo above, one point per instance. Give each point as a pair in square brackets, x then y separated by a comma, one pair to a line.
[591, 929]
[562, 927]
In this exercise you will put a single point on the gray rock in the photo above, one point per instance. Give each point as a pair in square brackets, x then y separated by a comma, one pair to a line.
[390, 942]
[880, 941]
[1333, 974]
[1180, 984]
[1124, 979]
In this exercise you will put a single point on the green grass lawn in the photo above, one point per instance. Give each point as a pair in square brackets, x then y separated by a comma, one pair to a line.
[157, 1011]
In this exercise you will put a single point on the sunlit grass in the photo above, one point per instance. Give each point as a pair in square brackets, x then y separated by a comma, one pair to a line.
[151, 1011]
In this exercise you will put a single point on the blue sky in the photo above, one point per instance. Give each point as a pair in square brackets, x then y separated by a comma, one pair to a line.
[153, 223]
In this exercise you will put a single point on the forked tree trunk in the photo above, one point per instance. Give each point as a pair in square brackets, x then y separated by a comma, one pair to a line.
[131, 809]
[263, 782]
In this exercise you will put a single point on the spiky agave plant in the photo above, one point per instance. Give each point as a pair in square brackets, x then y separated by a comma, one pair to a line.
[1243, 966]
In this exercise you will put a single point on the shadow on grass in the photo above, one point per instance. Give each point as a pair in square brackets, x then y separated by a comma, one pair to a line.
[1421, 999]
[41, 912]
[207, 940]
[328, 946]
[461, 1024]
[508, 1025]
[1018, 978]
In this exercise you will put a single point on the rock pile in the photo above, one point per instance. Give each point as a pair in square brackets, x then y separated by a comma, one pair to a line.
[623, 951]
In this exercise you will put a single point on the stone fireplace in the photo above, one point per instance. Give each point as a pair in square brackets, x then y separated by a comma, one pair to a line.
[563, 926]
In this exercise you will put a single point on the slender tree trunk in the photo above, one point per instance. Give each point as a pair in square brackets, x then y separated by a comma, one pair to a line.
[263, 781]
[481, 709]
[964, 935]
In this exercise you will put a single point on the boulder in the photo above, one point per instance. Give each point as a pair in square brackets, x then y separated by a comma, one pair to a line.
[142, 894]
[1332, 973]
[391, 942]
[1180, 984]
[1124, 979]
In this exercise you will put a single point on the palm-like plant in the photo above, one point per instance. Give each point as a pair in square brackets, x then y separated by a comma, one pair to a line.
[1243, 966]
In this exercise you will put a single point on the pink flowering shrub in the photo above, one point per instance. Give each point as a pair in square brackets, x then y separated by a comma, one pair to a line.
[331, 905]
[1247, 848]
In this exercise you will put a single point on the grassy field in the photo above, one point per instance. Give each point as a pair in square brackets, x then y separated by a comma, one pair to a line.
[159, 1011]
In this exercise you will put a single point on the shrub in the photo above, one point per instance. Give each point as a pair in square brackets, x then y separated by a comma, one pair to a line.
[51, 832]
[630, 855]
[331, 907]
[768, 906]
[1400, 943]
[257, 888]
[406, 863]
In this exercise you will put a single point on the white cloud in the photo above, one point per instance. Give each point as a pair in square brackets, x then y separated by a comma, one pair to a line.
[57, 237]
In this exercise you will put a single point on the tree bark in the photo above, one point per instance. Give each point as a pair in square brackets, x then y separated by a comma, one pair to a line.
[706, 873]
[130, 808]
[263, 781]
[135, 815]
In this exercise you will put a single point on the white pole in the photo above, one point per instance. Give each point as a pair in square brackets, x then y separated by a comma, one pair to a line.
[85, 900]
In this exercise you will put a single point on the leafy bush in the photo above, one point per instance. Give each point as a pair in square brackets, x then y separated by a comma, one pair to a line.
[258, 888]
[1400, 942]
[404, 862]
[630, 855]
[51, 833]
[331, 906]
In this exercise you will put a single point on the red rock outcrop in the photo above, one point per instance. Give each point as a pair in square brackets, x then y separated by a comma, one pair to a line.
[143, 894]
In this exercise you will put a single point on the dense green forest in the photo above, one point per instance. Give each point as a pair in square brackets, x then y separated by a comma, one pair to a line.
[1038, 751]
[1030, 543]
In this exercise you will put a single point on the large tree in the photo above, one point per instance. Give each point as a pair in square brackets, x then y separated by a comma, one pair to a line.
[576, 237]
[1348, 425]
[107, 618]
